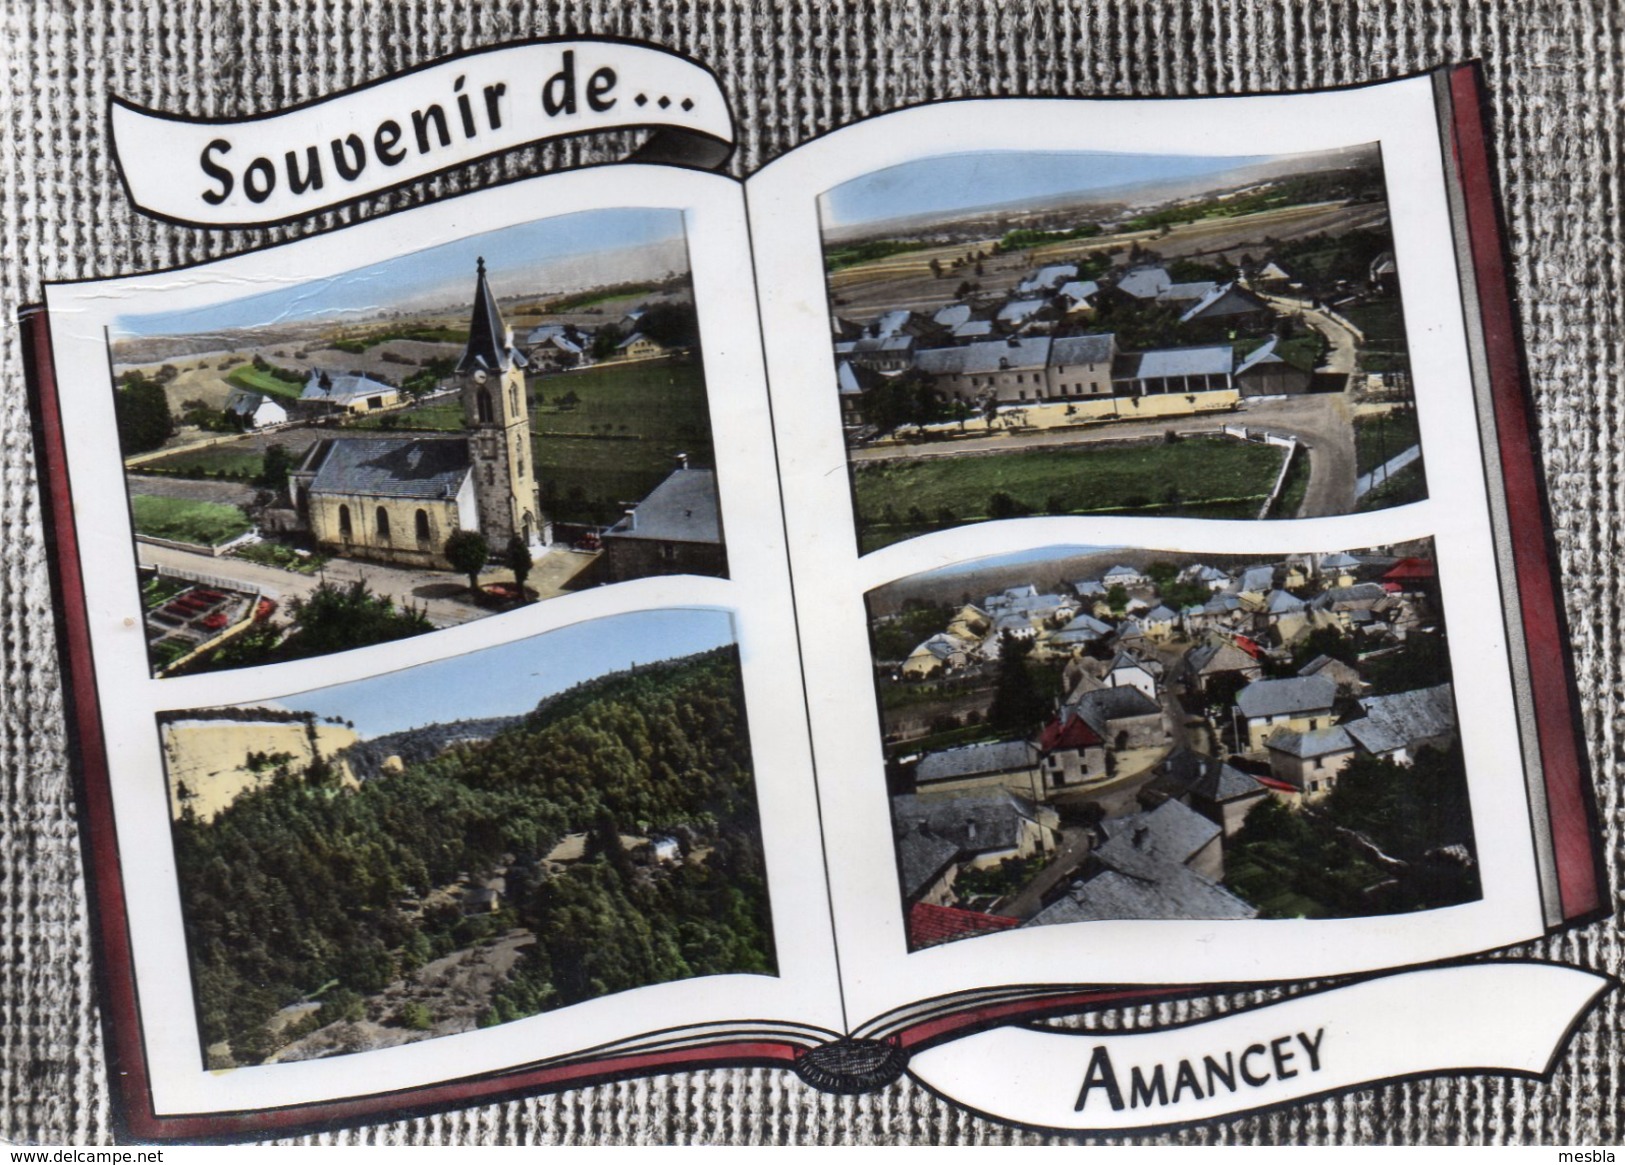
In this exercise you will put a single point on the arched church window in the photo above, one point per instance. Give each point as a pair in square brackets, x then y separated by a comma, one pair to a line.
[346, 531]
[513, 399]
[383, 524]
[423, 527]
[482, 405]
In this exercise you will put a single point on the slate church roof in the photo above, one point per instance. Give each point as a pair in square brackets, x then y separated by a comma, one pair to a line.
[490, 347]
[389, 467]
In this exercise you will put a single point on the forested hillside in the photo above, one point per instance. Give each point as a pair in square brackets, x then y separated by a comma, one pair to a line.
[303, 891]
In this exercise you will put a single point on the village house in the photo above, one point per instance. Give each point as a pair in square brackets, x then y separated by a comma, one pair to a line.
[255, 410]
[1218, 791]
[1302, 704]
[1071, 753]
[677, 529]
[1165, 862]
[1217, 658]
[1396, 727]
[348, 392]
[996, 764]
[1310, 761]
[937, 837]
[637, 346]
[1265, 372]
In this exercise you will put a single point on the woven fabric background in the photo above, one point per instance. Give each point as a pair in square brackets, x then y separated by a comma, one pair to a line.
[793, 69]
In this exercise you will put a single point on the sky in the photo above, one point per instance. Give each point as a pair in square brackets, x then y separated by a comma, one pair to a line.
[513, 678]
[1037, 557]
[518, 260]
[963, 181]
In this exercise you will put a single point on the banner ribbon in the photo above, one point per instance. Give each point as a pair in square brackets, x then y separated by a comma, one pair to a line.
[282, 166]
[1501, 1017]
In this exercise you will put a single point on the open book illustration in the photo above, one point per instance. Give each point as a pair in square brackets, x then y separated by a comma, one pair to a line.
[1002, 559]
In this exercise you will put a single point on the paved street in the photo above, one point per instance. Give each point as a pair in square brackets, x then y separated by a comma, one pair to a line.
[442, 596]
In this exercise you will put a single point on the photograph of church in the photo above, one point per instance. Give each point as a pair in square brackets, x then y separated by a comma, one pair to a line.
[397, 499]
[506, 431]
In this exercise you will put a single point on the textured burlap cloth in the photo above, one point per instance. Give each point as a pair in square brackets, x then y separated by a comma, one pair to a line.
[794, 69]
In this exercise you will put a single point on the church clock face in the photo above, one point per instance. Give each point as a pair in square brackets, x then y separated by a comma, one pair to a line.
[479, 377]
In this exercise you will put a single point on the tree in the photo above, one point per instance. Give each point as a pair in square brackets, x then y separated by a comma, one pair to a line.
[336, 618]
[467, 551]
[274, 467]
[605, 340]
[142, 412]
[517, 559]
[1017, 706]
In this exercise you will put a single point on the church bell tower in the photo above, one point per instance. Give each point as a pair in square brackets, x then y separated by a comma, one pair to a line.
[496, 412]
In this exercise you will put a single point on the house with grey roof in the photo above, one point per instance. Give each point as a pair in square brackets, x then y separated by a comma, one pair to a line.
[1396, 727]
[1266, 372]
[677, 529]
[1166, 862]
[327, 393]
[1301, 703]
[1310, 761]
[1125, 718]
[1226, 303]
[1204, 664]
[952, 316]
[936, 837]
[1007, 764]
[1217, 790]
[255, 410]
[1081, 366]
[1205, 368]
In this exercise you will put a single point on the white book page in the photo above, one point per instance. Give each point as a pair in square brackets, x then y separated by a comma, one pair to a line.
[831, 578]
[754, 598]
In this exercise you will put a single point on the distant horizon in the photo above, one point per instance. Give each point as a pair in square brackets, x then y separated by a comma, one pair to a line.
[623, 244]
[955, 184]
[511, 678]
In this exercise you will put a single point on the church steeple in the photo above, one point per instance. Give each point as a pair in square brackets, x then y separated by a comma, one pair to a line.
[490, 346]
[496, 413]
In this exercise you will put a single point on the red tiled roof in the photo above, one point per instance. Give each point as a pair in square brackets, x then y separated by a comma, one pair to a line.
[1273, 783]
[1072, 732]
[930, 925]
[1407, 568]
[1250, 647]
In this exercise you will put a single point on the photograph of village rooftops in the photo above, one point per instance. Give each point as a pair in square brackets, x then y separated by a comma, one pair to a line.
[444, 435]
[1083, 333]
[469, 842]
[1078, 734]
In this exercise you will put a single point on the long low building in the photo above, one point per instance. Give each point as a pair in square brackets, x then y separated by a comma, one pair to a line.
[1042, 368]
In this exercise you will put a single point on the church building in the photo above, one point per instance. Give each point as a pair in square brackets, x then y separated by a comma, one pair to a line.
[397, 499]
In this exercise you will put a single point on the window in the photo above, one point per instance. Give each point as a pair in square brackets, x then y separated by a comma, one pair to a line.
[383, 524]
[423, 528]
[482, 404]
[513, 399]
[346, 532]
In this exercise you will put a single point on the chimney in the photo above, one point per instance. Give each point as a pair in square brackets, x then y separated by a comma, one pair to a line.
[682, 461]
[631, 520]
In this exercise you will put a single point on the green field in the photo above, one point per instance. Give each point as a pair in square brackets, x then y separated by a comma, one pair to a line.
[1192, 478]
[1408, 485]
[256, 380]
[1383, 323]
[618, 442]
[441, 416]
[227, 460]
[1378, 438]
[203, 523]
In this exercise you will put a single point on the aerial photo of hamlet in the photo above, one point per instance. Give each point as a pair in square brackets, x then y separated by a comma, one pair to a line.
[1082, 734]
[524, 414]
[470, 842]
[1060, 333]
